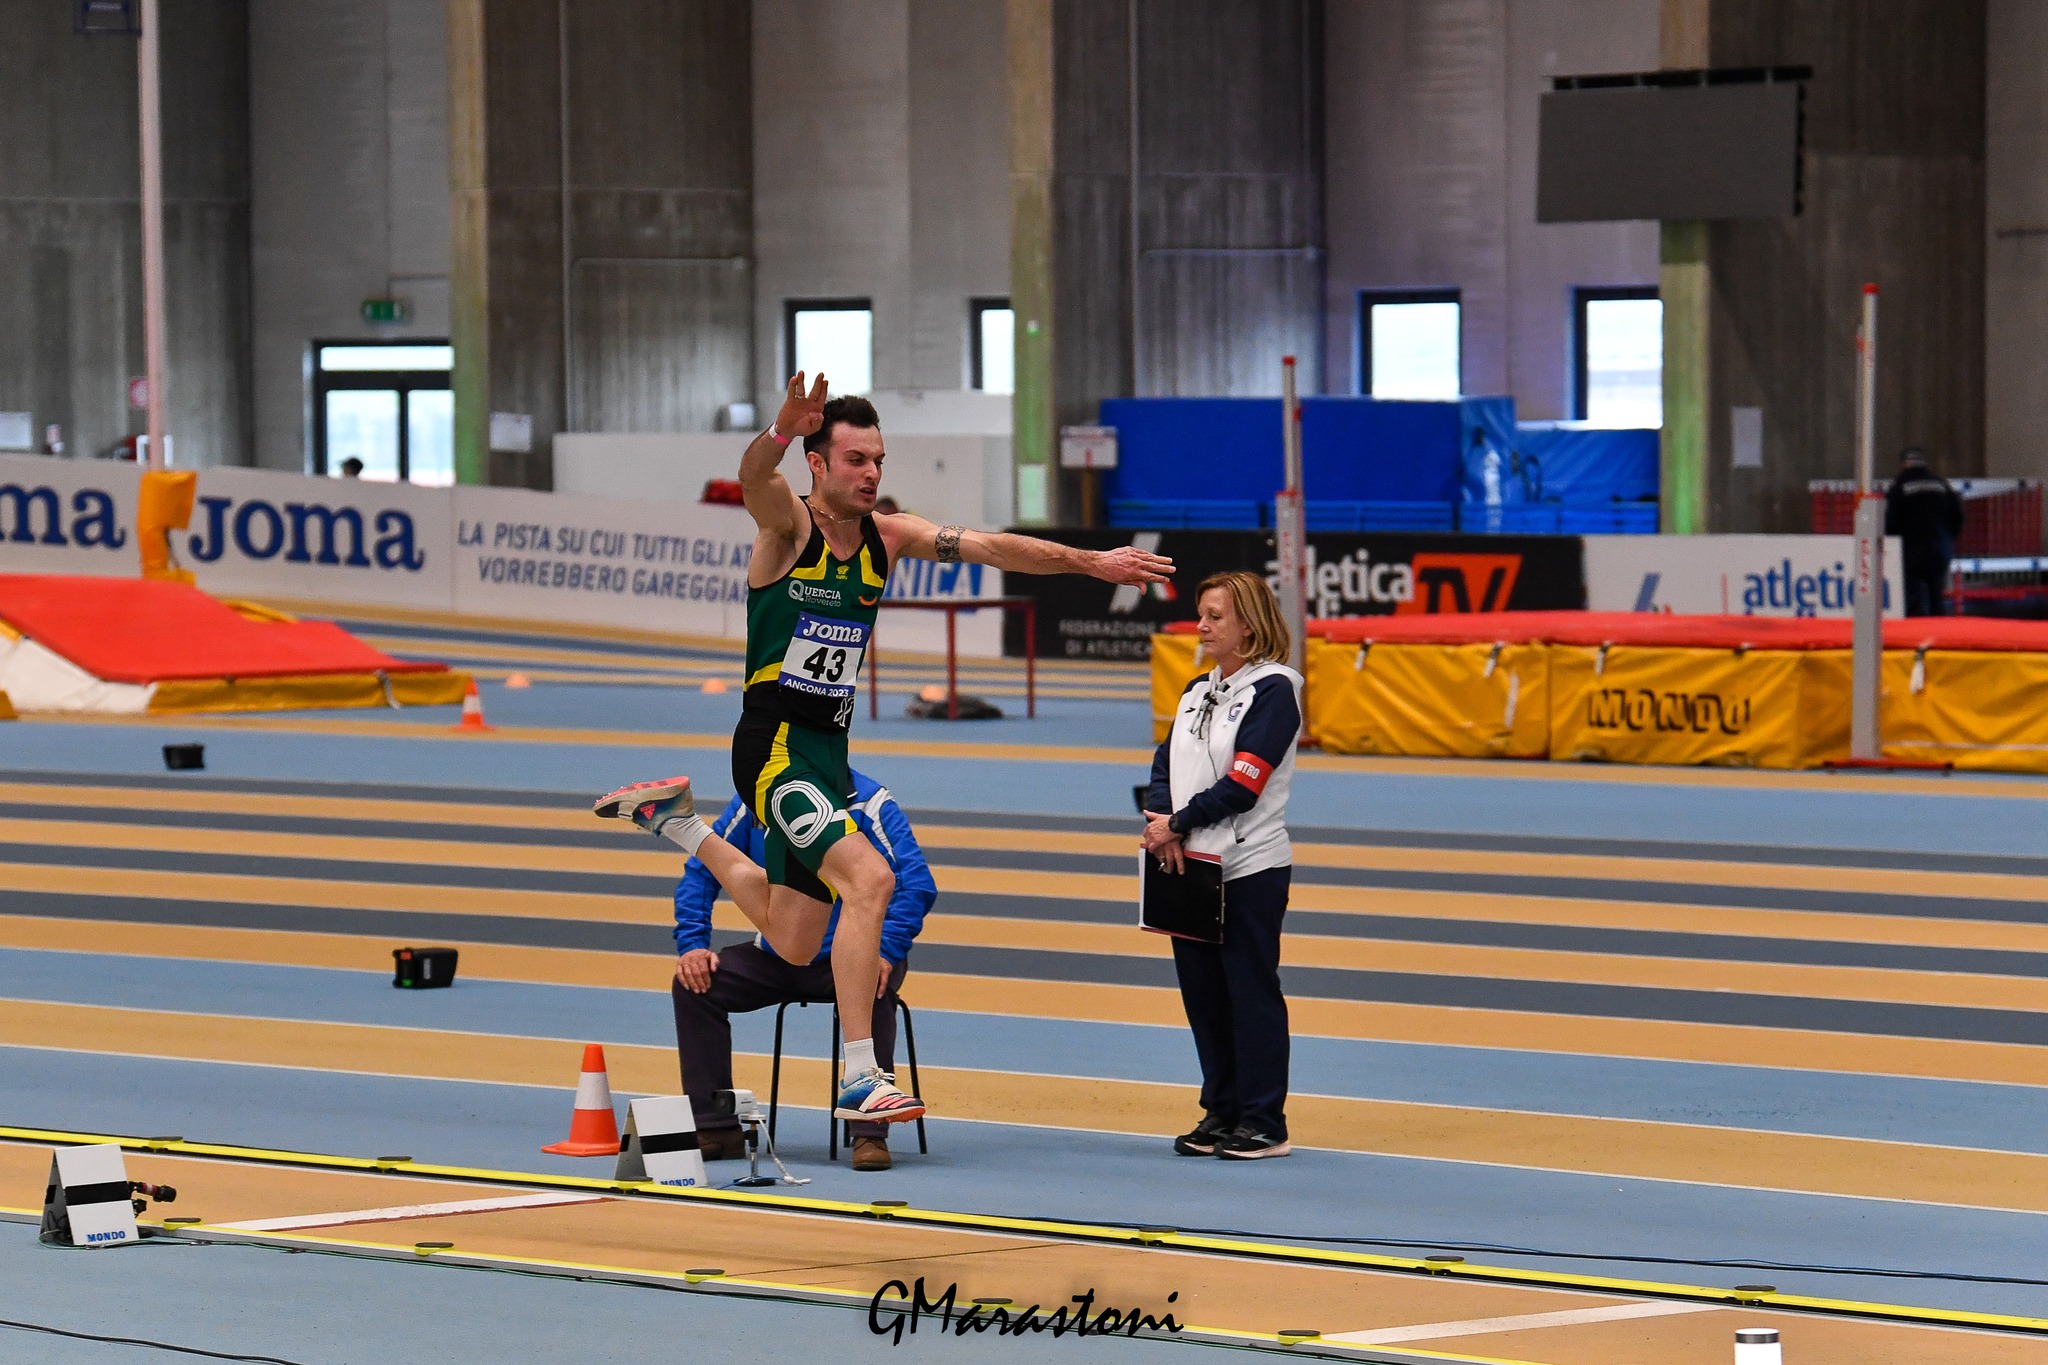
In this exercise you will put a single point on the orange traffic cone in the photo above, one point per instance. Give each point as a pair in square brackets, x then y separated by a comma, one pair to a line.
[472, 710]
[517, 681]
[593, 1128]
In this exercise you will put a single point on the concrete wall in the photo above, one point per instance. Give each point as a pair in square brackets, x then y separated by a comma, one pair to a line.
[1431, 177]
[601, 164]
[1894, 193]
[2016, 250]
[880, 172]
[70, 227]
[349, 190]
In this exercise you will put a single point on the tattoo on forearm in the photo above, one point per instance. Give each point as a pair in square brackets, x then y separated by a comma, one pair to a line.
[946, 544]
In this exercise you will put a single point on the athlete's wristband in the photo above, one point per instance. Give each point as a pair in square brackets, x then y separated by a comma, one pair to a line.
[777, 436]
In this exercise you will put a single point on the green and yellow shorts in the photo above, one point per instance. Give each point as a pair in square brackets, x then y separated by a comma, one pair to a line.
[796, 781]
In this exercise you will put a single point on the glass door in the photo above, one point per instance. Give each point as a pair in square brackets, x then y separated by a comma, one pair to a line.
[384, 412]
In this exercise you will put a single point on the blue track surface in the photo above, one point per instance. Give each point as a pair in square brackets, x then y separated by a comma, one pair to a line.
[1107, 1177]
[1896, 1109]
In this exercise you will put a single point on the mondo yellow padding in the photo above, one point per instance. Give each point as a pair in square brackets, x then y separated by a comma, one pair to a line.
[1439, 701]
[1175, 664]
[1974, 710]
[309, 692]
[1731, 708]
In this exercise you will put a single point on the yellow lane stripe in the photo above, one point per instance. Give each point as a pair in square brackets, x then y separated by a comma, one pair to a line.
[98, 796]
[1847, 876]
[1134, 758]
[1707, 874]
[1652, 1040]
[1655, 1151]
[343, 893]
[411, 852]
[238, 889]
[1300, 950]
[1734, 980]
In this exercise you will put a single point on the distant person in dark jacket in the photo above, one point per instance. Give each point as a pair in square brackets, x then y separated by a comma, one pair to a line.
[1923, 511]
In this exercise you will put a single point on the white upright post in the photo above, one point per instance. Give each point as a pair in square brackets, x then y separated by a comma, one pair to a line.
[152, 231]
[1866, 743]
[1290, 525]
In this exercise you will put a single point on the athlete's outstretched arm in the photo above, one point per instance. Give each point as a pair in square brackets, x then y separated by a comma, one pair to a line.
[912, 537]
[774, 505]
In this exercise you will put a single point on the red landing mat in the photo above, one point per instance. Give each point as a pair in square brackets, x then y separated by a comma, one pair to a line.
[1655, 629]
[142, 631]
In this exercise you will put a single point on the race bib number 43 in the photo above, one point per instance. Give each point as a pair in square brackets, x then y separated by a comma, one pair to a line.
[824, 656]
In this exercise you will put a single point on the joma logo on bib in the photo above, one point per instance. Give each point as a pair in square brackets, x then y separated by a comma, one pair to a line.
[804, 812]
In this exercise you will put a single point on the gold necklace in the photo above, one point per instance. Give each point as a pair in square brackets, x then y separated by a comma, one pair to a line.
[816, 515]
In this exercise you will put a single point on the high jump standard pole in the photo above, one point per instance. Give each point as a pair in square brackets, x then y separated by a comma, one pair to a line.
[152, 232]
[1866, 744]
[1290, 526]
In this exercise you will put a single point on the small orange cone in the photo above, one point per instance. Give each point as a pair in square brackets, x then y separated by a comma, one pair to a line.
[593, 1128]
[714, 686]
[472, 710]
[518, 681]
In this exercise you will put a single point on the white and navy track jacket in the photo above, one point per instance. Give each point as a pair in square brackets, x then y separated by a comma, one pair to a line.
[1225, 769]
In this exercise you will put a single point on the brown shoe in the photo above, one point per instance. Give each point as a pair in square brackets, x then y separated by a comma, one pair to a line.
[871, 1154]
[721, 1144]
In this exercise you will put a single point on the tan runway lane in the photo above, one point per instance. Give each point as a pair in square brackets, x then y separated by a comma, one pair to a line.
[1461, 1319]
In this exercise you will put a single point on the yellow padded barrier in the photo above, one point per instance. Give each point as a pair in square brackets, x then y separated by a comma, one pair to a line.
[1438, 701]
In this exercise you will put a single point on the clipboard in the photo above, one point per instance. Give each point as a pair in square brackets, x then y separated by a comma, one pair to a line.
[1187, 904]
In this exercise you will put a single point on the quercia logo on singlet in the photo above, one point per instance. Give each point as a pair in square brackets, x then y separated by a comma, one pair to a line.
[811, 592]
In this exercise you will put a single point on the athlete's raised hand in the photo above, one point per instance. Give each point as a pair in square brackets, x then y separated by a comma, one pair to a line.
[802, 413]
[1129, 564]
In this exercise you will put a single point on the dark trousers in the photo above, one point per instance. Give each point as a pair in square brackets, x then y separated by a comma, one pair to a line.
[751, 978]
[1926, 587]
[1232, 994]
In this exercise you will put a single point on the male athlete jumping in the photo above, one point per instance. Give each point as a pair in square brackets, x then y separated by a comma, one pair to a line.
[814, 585]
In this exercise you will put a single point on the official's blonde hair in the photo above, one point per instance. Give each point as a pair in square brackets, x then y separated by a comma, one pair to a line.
[1253, 602]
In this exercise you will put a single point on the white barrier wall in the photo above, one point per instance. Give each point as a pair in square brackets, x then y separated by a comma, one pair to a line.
[643, 564]
[1732, 575]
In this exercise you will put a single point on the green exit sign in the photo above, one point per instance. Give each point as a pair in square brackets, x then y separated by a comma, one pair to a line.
[386, 311]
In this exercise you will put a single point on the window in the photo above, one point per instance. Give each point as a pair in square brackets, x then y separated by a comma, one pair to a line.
[1619, 372]
[832, 336]
[387, 405]
[993, 341]
[1408, 345]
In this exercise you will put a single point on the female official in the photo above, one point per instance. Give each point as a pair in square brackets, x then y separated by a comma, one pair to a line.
[1219, 789]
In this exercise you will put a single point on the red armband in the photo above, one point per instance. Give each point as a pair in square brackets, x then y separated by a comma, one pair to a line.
[777, 436]
[1250, 771]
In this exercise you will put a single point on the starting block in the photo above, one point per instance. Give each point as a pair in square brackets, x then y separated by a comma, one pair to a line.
[660, 1143]
[88, 1199]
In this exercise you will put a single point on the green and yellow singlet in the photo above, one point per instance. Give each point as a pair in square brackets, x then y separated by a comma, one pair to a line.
[808, 633]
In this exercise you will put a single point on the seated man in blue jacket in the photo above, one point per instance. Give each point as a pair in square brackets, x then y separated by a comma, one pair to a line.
[712, 986]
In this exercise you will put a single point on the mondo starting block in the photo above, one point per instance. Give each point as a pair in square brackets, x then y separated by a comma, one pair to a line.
[661, 1143]
[87, 1202]
[123, 646]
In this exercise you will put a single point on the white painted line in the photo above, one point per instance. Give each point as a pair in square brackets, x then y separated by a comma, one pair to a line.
[1472, 1327]
[405, 1211]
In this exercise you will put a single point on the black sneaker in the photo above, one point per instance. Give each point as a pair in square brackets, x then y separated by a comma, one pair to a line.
[1202, 1141]
[1246, 1143]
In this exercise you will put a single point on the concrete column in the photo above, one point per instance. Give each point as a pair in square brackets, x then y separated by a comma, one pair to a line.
[1683, 286]
[601, 177]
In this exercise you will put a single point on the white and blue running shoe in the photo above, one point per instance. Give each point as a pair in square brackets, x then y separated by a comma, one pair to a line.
[873, 1096]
